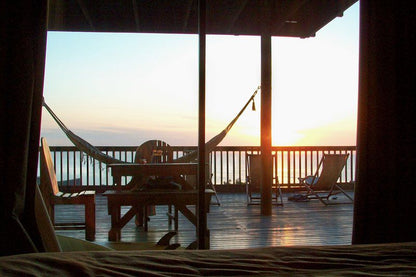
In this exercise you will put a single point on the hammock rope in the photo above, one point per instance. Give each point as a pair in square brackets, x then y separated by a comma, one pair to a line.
[80, 143]
[92, 151]
[212, 143]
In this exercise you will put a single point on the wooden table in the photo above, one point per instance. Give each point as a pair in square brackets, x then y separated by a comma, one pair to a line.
[139, 200]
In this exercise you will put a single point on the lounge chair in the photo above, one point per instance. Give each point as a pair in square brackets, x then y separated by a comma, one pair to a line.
[323, 184]
[44, 211]
[53, 242]
[253, 183]
[52, 196]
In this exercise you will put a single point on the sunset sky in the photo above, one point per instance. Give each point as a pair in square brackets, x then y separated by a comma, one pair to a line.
[124, 89]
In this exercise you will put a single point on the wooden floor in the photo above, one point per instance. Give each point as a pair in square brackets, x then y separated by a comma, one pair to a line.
[234, 225]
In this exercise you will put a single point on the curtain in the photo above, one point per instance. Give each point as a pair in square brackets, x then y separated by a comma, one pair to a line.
[23, 26]
[385, 195]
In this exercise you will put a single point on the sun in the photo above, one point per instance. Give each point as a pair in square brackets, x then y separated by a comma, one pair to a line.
[286, 137]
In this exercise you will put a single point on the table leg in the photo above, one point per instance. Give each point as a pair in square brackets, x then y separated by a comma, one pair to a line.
[145, 218]
[187, 213]
[170, 216]
[139, 217]
[115, 232]
[176, 219]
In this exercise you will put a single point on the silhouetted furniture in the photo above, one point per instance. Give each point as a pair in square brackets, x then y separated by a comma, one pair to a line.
[53, 242]
[52, 196]
[191, 179]
[137, 200]
[253, 183]
[323, 184]
[158, 151]
[58, 243]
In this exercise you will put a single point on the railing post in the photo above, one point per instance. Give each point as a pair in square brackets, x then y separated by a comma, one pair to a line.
[266, 125]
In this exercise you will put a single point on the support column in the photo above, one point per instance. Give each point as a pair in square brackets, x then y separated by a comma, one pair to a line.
[266, 125]
[202, 233]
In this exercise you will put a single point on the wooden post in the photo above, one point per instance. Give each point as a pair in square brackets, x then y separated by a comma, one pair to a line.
[266, 125]
[266, 111]
[202, 233]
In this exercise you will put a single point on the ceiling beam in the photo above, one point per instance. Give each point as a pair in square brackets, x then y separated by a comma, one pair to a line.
[237, 15]
[296, 6]
[136, 15]
[187, 15]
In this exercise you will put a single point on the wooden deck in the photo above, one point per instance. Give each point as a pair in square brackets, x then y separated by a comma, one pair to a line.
[233, 225]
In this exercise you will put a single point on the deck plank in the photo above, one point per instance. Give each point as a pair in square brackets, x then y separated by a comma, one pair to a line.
[233, 225]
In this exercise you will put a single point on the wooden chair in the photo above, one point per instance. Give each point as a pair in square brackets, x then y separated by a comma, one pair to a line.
[52, 196]
[323, 184]
[57, 243]
[253, 183]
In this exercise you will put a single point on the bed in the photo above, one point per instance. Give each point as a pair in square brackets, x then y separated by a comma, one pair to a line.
[398, 259]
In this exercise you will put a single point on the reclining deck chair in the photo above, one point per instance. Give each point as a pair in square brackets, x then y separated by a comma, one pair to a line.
[325, 179]
[52, 196]
[253, 183]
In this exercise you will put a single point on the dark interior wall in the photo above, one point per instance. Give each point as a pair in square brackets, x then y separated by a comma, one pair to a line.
[22, 62]
[385, 197]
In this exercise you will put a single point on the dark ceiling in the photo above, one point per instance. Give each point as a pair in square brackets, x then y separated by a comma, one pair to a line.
[294, 18]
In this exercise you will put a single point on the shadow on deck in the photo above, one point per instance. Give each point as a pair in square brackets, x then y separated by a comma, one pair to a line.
[234, 225]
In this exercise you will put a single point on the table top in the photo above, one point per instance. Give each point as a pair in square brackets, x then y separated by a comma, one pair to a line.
[155, 197]
[154, 192]
[156, 169]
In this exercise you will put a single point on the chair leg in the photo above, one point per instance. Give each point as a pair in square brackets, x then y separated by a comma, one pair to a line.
[317, 196]
[170, 216]
[90, 220]
[139, 217]
[248, 194]
[345, 193]
[146, 218]
[277, 192]
[52, 213]
[176, 219]
[279, 195]
[211, 186]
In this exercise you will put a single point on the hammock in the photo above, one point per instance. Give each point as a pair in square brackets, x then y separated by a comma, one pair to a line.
[80, 143]
[92, 151]
[212, 143]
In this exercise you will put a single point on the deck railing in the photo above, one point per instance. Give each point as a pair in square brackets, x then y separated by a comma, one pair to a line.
[228, 164]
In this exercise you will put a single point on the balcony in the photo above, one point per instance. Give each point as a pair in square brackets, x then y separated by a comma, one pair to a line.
[233, 224]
